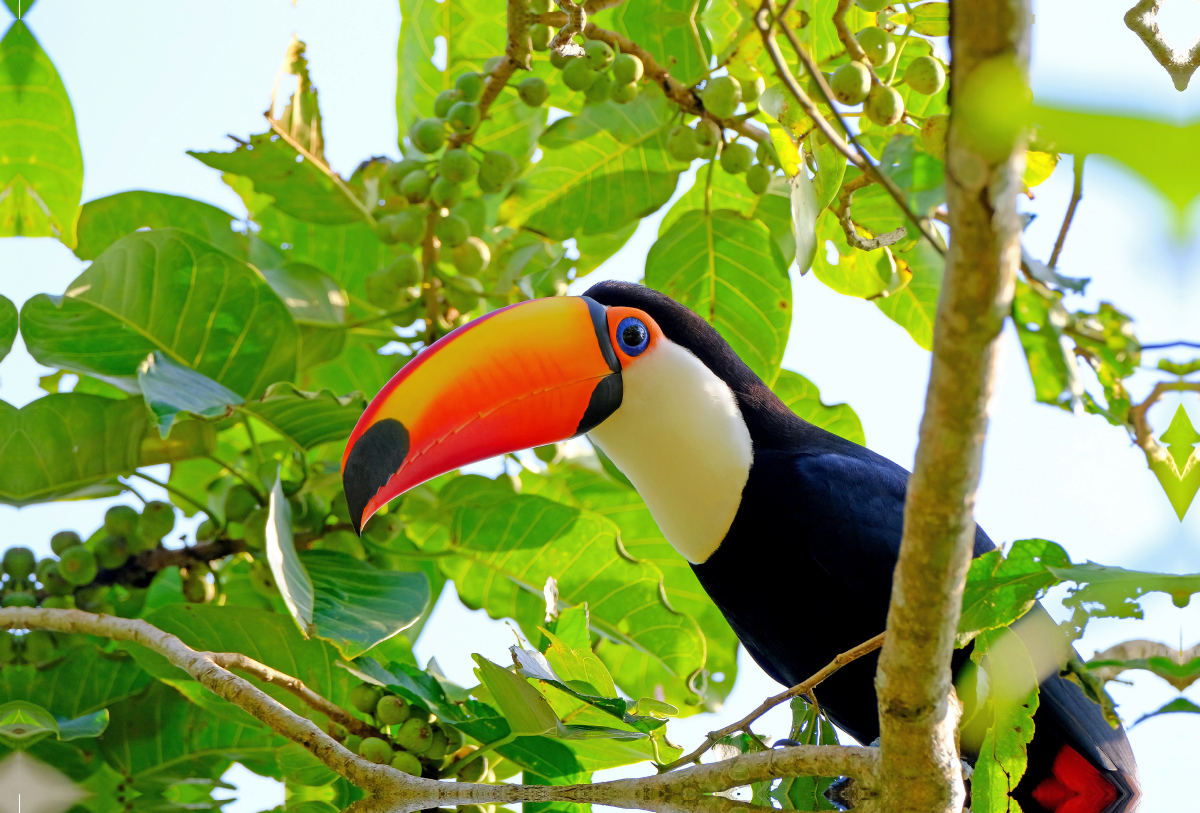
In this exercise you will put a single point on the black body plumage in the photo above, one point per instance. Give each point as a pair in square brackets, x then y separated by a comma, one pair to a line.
[805, 571]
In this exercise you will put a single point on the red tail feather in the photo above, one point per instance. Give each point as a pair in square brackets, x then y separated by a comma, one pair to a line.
[1074, 786]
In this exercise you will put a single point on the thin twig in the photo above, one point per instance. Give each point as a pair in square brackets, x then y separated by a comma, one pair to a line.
[799, 689]
[1141, 427]
[845, 35]
[1076, 195]
[844, 218]
[236, 660]
[1164, 345]
[576, 20]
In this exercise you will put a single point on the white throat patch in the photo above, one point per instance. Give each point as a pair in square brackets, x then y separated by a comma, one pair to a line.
[681, 440]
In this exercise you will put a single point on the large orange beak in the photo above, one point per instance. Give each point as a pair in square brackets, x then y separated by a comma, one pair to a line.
[526, 375]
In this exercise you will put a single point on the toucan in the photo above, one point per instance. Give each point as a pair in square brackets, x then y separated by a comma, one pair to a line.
[756, 499]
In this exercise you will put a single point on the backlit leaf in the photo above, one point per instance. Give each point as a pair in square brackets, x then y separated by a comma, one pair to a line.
[41, 166]
[105, 220]
[1000, 589]
[8, 325]
[669, 31]
[293, 580]
[1114, 592]
[728, 270]
[914, 306]
[170, 388]
[307, 418]
[169, 291]
[803, 398]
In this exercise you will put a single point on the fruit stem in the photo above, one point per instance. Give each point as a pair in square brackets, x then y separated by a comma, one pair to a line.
[258, 455]
[896, 59]
[708, 187]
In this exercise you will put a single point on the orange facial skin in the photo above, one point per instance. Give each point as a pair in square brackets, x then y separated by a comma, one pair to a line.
[518, 377]
[615, 316]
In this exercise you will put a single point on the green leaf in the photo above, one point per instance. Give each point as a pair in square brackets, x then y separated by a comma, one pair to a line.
[1115, 592]
[527, 711]
[579, 664]
[669, 31]
[346, 253]
[300, 766]
[170, 388]
[1000, 589]
[23, 724]
[1180, 481]
[8, 325]
[105, 220]
[914, 306]
[169, 291]
[359, 368]
[19, 7]
[41, 166]
[160, 734]
[601, 170]
[1179, 704]
[773, 207]
[300, 187]
[1011, 705]
[865, 274]
[803, 398]
[86, 680]
[308, 419]
[311, 295]
[356, 606]
[636, 672]
[728, 270]
[831, 169]
[804, 219]
[931, 19]
[48, 431]
[293, 580]
[1038, 318]
[90, 725]
[507, 548]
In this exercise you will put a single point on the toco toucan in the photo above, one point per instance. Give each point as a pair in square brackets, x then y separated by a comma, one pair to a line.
[751, 495]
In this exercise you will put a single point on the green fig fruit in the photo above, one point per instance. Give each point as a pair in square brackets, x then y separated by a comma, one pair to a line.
[721, 96]
[59, 602]
[681, 143]
[532, 91]
[463, 117]
[415, 187]
[206, 531]
[437, 746]
[708, 134]
[406, 227]
[851, 83]
[878, 45]
[474, 770]
[406, 763]
[112, 552]
[444, 101]
[373, 749]
[391, 710]
[758, 178]
[365, 697]
[885, 106]
[352, 743]
[597, 92]
[158, 519]
[415, 735]
[925, 75]
[121, 520]
[428, 135]
[753, 89]
[497, 169]
[627, 68]
[445, 193]
[452, 230]
[20, 562]
[77, 565]
[933, 135]
[736, 158]
[558, 61]
[63, 540]
[493, 64]
[599, 54]
[578, 75]
[344, 542]
[540, 36]
[471, 257]
[623, 94]
[255, 535]
[470, 85]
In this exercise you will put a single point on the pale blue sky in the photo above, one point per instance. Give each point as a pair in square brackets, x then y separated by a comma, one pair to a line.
[150, 80]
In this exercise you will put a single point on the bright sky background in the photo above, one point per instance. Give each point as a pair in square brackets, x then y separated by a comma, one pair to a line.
[150, 80]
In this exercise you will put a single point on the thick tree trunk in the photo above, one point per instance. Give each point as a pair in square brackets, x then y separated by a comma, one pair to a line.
[920, 768]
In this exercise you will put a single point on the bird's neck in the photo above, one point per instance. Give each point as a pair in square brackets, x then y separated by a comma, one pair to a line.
[680, 438]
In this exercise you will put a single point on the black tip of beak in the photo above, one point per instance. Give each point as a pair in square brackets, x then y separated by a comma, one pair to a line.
[377, 455]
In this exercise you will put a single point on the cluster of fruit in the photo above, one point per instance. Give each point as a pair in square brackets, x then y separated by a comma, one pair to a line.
[65, 582]
[855, 83]
[590, 74]
[416, 744]
[705, 138]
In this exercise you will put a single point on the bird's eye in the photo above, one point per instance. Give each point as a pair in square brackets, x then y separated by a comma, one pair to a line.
[632, 336]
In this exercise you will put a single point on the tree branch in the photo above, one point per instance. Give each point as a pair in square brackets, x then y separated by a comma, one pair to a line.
[1076, 195]
[796, 691]
[920, 765]
[395, 791]
[855, 239]
[139, 569]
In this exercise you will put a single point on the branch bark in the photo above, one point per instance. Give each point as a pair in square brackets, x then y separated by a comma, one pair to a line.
[398, 792]
[920, 766]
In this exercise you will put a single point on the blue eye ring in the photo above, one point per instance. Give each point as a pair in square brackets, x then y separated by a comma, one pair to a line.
[633, 337]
